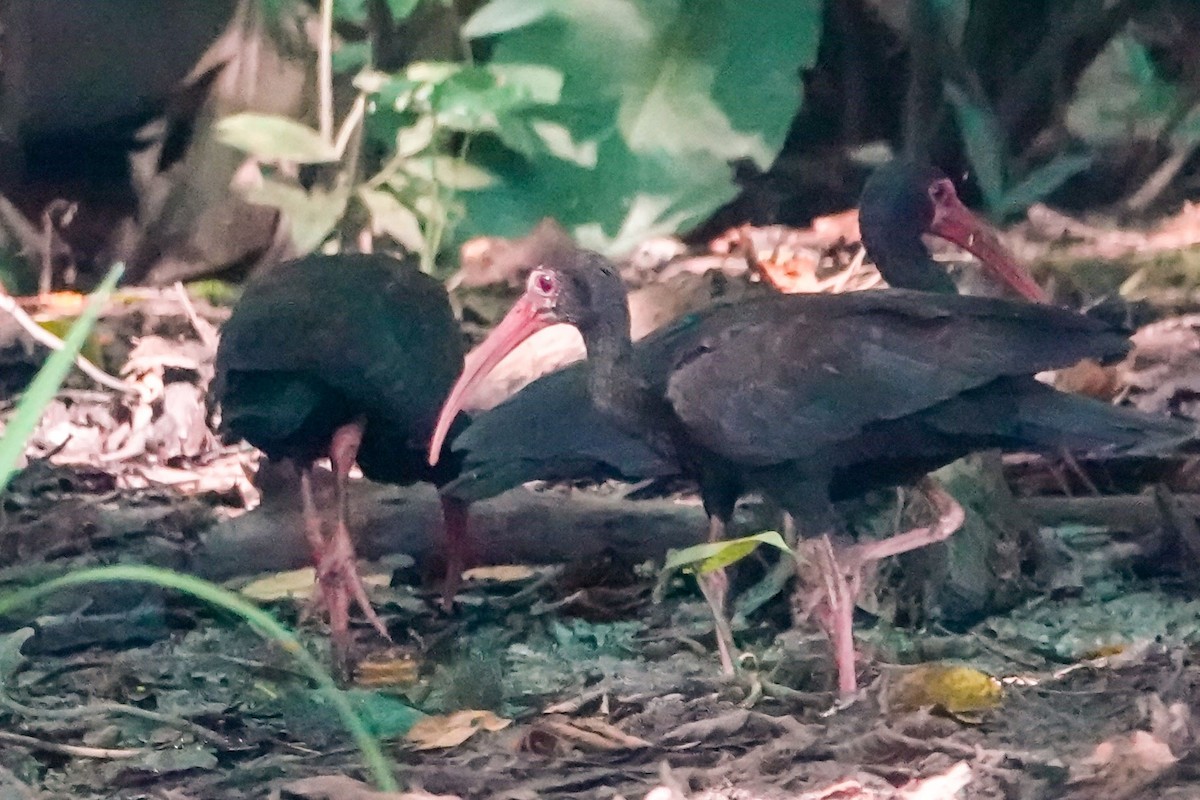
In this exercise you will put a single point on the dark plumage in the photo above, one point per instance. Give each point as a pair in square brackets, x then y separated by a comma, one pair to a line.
[350, 357]
[808, 398]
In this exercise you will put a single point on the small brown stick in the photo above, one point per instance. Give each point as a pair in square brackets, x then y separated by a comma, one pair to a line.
[204, 329]
[110, 707]
[44, 337]
[74, 750]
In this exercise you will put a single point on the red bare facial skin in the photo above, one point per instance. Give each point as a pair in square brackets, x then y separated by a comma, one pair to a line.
[532, 312]
[955, 223]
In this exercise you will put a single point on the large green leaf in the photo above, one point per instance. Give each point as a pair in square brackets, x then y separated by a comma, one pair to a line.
[275, 138]
[658, 96]
[984, 142]
[1121, 96]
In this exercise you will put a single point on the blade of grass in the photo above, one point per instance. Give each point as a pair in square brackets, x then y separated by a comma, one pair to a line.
[45, 384]
[264, 623]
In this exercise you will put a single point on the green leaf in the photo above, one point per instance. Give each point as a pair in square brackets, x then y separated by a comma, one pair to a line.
[274, 138]
[433, 71]
[536, 83]
[11, 658]
[391, 217]
[450, 172]
[312, 216]
[558, 141]
[1120, 96]
[352, 11]
[351, 57]
[402, 9]
[710, 556]
[1040, 182]
[386, 716]
[44, 386]
[412, 140]
[670, 105]
[499, 16]
[984, 142]
[657, 98]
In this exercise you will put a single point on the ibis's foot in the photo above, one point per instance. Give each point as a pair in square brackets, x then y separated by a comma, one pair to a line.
[833, 578]
[714, 586]
[341, 586]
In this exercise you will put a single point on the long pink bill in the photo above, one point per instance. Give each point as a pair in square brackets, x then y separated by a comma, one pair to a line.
[954, 222]
[521, 322]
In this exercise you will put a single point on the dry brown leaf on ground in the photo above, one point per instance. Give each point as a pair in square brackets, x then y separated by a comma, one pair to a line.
[451, 730]
[938, 787]
[1121, 767]
[501, 573]
[557, 734]
[1170, 723]
[341, 787]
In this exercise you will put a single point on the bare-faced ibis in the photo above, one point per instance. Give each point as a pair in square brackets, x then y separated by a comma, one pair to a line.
[812, 398]
[347, 357]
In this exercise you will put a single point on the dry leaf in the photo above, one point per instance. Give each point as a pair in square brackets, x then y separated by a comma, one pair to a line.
[1121, 767]
[501, 573]
[451, 730]
[939, 787]
[556, 734]
[296, 583]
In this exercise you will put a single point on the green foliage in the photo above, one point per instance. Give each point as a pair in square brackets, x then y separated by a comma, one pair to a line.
[45, 384]
[658, 98]
[214, 595]
[711, 556]
[1123, 96]
[984, 143]
[618, 117]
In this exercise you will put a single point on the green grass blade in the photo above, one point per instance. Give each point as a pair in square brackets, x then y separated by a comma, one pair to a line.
[376, 762]
[45, 384]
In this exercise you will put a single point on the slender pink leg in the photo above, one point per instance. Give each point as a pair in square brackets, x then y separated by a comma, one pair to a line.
[715, 586]
[337, 570]
[312, 518]
[458, 549]
[839, 574]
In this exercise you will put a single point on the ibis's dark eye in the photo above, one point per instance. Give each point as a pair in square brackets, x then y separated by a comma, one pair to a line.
[543, 282]
[941, 191]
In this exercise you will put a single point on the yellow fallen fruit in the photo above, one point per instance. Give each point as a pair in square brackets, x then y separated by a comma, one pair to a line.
[957, 690]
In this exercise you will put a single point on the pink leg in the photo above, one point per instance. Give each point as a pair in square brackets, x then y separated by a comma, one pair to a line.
[458, 549]
[715, 586]
[337, 569]
[312, 519]
[839, 576]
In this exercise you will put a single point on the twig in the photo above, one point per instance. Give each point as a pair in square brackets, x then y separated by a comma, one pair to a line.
[42, 336]
[350, 124]
[1161, 178]
[110, 707]
[204, 329]
[77, 751]
[325, 72]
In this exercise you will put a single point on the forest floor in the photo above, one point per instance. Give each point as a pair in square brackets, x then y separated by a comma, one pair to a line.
[594, 678]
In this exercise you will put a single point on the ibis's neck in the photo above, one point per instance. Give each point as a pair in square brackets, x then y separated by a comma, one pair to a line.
[905, 263]
[614, 384]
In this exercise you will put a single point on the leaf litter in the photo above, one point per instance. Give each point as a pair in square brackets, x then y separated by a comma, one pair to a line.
[570, 682]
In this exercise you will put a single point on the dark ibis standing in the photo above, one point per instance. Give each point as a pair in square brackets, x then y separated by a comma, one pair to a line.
[347, 357]
[809, 398]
